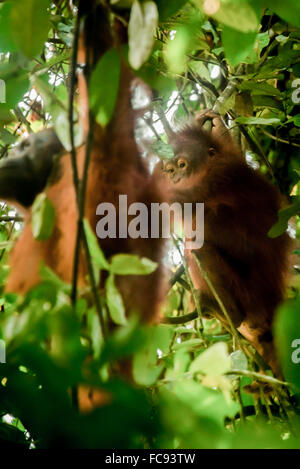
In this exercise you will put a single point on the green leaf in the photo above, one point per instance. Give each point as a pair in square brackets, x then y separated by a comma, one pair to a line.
[62, 128]
[296, 120]
[6, 116]
[48, 276]
[260, 88]
[30, 25]
[257, 121]
[237, 45]
[64, 32]
[237, 14]
[167, 8]
[146, 365]
[130, 264]
[43, 215]
[104, 86]
[213, 361]
[239, 360]
[56, 59]
[95, 331]
[15, 88]
[206, 403]
[289, 11]
[141, 32]
[262, 101]
[162, 150]
[6, 244]
[94, 248]
[46, 91]
[7, 42]
[12, 437]
[184, 41]
[188, 344]
[283, 217]
[58, 111]
[6, 137]
[114, 302]
[157, 81]
[287, 335]
[181, 362]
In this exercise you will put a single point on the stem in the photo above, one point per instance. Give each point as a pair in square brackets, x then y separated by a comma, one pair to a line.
[71, 99]
[193, 290]
[278, 139]
[14, 219]
[219, 301]
[73, 154]
[74, 390]
[258, 376]
[180, 319]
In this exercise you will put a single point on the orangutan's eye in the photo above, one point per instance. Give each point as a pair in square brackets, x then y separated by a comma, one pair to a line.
[181, 163]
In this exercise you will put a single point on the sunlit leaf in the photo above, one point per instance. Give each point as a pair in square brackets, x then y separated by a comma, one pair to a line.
[141, 31]
[287, 334]
[289, 11]
[104, 86]
[167, 9]
[94, 248]
[15, 88]
[43, 215]
[115, 302]
[239, 360]
[258, 88]
[237, 14]
[257, 121]
[30, 25]
[206, 403]
[47, 275]
[7, 42]
[237, 45]
[213, 361]
[283, 217]
[62, 129]
[129, 264]
[162, 150]
[146, 366]
[95, 331]
[184, 41]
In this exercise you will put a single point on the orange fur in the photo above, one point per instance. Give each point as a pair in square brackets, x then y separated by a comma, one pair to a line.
[246, 267]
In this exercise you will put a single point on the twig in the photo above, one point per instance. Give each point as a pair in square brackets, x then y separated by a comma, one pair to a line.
[193, 290]
[148, 121]
[71, 99]
[73, 154]
[177, 278]
[206, 84]
[226, 94]
[14, 219]
[164, 120]
[182, 319]
[259, 377]
[278, 139]
[74, 390]
[219, 301]
[20, 116]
